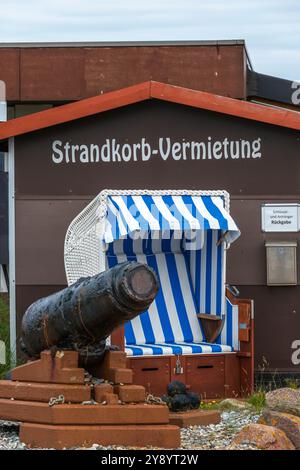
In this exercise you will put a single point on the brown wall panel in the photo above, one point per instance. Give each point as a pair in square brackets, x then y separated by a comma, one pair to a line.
[10, 72]
[41, 226]
[247, 256]
[277, 324]
[276, 171]
[50, 74]
[217, 70]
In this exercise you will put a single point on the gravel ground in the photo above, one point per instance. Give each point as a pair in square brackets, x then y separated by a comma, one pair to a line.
[212, 437]
[218, 436]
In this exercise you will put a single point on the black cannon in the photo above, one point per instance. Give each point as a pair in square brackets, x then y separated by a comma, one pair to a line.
[82, 316]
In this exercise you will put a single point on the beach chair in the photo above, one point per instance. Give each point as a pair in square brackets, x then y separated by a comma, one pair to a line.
[192, 331]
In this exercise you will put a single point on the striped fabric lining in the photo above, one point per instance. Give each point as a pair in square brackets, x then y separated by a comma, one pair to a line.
[230, 332]
[191, 280]
[162, 330]
[206, 273]
[172, 317]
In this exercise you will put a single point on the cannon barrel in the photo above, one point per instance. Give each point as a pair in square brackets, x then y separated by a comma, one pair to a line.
[82, 316]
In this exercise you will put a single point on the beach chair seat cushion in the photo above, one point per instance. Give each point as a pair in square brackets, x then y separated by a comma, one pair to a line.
[176, 349]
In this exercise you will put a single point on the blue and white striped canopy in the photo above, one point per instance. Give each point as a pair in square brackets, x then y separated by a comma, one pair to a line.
[137, 215]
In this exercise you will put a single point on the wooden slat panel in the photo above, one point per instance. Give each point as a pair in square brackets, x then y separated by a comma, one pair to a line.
[152, 373]
[244, 334]
[206, 374]
[232, 376]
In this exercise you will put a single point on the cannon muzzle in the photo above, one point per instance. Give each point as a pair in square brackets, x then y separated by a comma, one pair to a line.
[82, 316]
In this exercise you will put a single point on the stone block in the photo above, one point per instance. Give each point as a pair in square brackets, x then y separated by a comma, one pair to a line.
[37, 412]
[111, 399]
[101, 390]
[43, 391]
[59, 437]
[195, 418]
[121, 376]
[130, 393]
[50, 370]
[111, 360]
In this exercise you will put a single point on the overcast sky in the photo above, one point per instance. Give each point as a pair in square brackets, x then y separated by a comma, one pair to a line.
[271, 28]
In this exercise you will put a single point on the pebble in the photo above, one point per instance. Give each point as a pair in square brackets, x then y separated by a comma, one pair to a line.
[218, 436]
[9, 436]
[211, 437]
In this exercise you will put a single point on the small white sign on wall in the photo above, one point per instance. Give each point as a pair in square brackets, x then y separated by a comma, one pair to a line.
[280, 217]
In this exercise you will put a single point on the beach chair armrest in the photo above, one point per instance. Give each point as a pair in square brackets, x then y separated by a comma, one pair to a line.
[212, 325]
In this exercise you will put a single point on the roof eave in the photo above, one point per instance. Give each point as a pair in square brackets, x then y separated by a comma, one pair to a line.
[144, 91]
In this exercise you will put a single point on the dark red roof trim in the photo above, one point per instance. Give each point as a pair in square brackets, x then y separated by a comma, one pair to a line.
[142, 92]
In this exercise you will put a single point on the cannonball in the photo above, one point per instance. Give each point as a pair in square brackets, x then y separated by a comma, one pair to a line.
[166, 399]
[180, 402]
[194, 400]
[176, 387]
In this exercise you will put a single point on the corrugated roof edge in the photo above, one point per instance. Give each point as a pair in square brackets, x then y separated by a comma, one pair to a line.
[142, 92]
